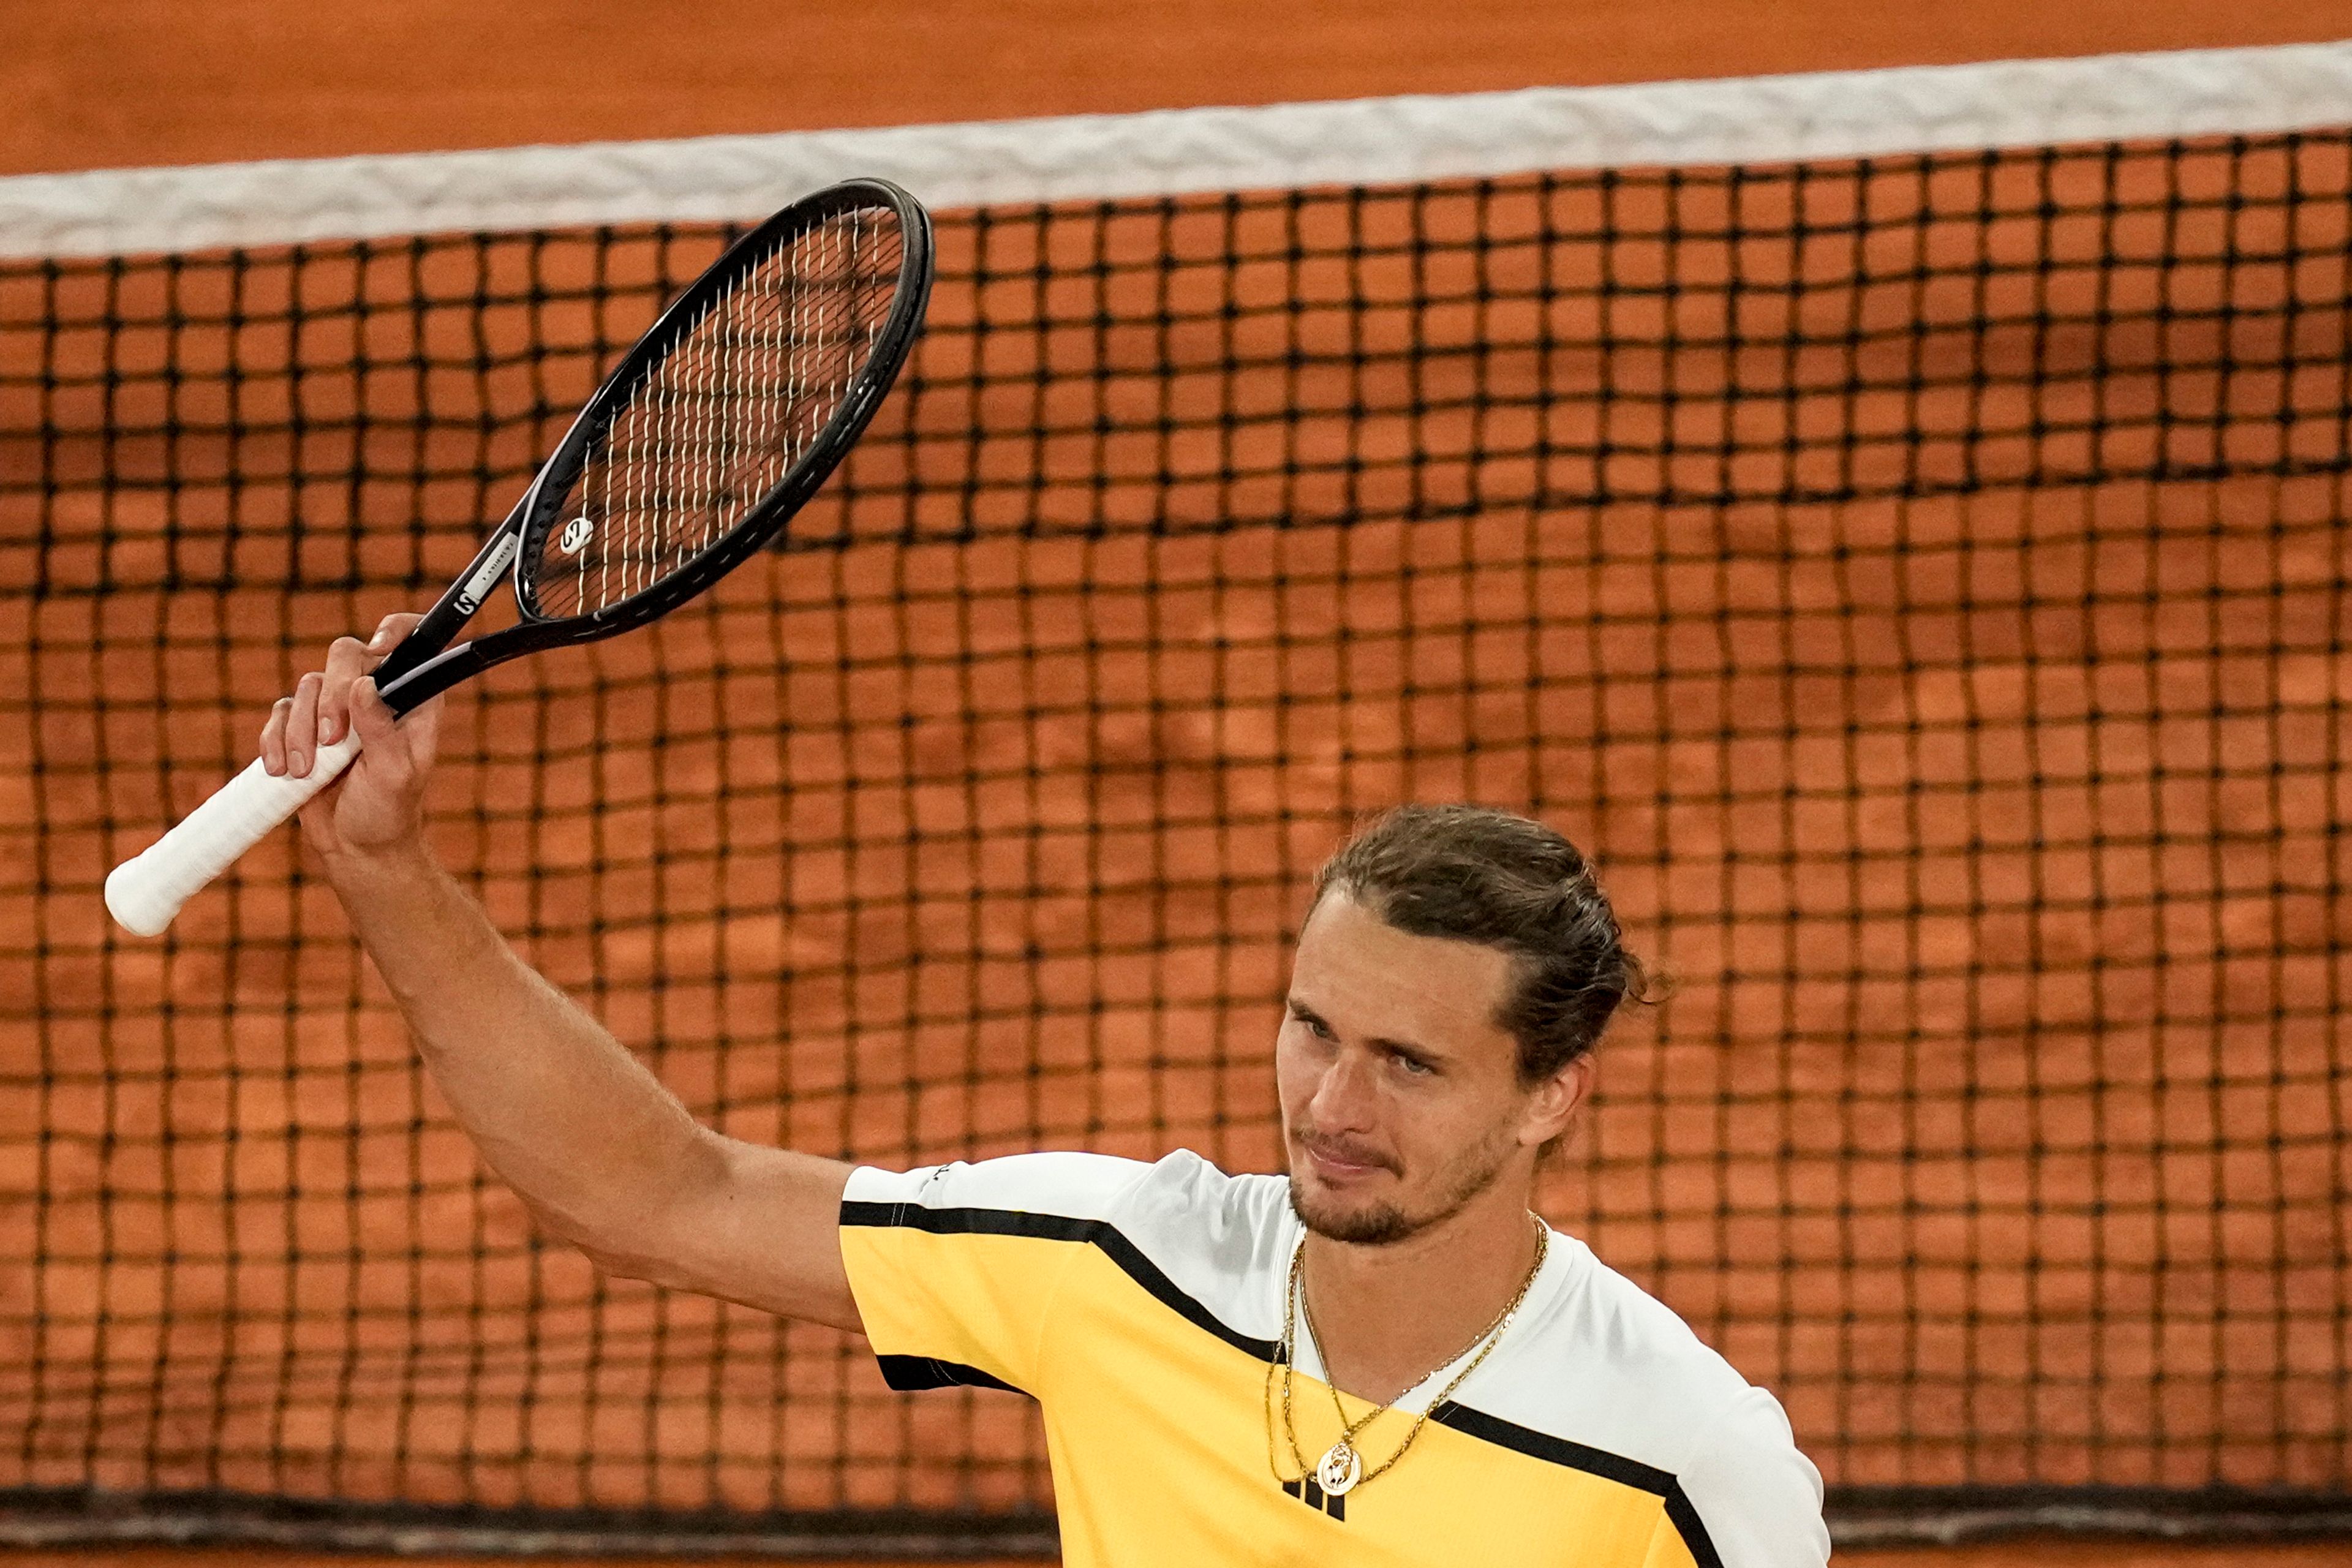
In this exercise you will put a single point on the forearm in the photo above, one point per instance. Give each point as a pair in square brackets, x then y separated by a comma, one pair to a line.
[605, 1156]
[560, 1110]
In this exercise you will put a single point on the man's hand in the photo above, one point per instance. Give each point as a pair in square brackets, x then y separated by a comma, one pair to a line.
[378, 805]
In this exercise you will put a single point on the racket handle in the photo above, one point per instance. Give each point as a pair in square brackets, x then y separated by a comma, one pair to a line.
[145, 891]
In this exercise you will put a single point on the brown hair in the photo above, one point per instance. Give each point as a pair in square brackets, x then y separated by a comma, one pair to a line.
[1475, 874]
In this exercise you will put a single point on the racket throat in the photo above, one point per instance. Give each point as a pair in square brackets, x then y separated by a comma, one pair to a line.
[446, 619]
[403, 689]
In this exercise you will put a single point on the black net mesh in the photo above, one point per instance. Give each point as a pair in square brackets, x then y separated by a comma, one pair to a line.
[1919, 583]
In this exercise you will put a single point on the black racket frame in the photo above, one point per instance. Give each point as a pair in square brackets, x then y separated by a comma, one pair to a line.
[424, 665]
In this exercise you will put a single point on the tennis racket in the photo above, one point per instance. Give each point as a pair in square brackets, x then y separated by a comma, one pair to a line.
[715, 429]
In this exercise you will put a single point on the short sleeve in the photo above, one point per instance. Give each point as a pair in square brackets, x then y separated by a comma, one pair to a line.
[955, 1268]
[1757, 1498]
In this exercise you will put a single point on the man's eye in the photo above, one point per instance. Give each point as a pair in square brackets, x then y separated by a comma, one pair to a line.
[1412, 1065]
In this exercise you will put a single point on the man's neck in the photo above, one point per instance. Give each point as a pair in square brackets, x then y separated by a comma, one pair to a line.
[1386, 1317]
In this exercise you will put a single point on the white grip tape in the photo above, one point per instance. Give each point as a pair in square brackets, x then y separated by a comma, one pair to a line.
[145, 891]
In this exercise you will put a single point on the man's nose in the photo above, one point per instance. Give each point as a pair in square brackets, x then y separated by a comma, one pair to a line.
[1343, 1095]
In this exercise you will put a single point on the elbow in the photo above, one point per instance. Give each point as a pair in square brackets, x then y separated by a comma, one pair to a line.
[614, 1248]
[649, 1238]
[623, 1263]
[601, 1242]
[624, 1252]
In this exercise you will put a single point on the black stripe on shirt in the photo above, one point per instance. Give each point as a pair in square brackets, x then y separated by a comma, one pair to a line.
[1694, 1533]
[1130, 1260]
[1096, 1233]
[1592, 1461]
[911, 1374]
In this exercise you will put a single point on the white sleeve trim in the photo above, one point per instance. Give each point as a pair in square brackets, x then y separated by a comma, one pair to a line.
[1072, 1186]
[1365, 142]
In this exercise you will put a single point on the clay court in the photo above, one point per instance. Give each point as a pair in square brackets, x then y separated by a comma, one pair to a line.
[1953, 699]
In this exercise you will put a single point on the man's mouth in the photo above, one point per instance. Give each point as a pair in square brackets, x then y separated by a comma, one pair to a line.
[1339, 1162]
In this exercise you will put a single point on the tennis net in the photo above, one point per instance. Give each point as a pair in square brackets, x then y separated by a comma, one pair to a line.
[1897, 521]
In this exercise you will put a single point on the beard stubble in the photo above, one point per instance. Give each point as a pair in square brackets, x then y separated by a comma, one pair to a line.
[1386, 1224]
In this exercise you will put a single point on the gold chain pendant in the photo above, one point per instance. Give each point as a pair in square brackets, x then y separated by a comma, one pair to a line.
[1341, 1470]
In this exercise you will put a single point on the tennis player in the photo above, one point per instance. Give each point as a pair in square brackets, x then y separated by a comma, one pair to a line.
[1384, 1358]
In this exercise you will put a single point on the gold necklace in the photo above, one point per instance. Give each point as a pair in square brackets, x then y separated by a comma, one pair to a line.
[1341, 1469]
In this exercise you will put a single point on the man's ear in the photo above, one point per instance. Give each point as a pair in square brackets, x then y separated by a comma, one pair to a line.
[1555, 1101]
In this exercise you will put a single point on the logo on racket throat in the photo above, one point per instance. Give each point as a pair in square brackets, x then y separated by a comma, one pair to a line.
[470, 596]
[575, 535]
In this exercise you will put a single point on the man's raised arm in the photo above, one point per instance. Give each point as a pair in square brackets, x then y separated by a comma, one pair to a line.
[603, 1154]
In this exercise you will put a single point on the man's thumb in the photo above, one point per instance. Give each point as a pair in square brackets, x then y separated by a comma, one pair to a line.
[371, 718]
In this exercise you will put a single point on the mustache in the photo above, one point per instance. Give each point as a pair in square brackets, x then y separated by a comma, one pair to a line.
[1346, 1152]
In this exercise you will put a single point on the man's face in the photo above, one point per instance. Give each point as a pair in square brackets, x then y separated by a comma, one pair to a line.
[1401, 1095]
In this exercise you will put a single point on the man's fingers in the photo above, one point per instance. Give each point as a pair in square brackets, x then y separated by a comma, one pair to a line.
[390, 631]
[346, 659]
[273, 737]
[320, 712]
[375, 721]
[302, 725]
[397, 752]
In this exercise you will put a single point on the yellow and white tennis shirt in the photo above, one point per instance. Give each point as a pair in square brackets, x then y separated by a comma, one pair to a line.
[1141, 1306]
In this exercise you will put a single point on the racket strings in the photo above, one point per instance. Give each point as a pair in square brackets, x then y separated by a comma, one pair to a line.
[737, 404]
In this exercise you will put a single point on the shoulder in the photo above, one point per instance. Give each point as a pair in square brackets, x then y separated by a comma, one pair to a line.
[1188, 1215]
[1641, 1344]
[1612, 1379]
[1600, 1352]
[1204, 1243]
[1184, 1190]
[1625, 1366]
[1058, 1184]
[1176, 1209]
